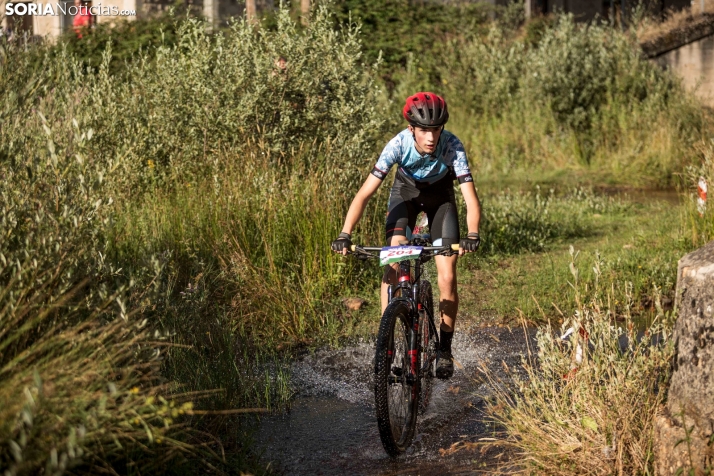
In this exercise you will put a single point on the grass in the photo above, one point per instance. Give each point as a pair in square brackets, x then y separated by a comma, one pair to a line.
[594, 416]
[649, 28]
[197, 202]
[615, 279]
[633, 242]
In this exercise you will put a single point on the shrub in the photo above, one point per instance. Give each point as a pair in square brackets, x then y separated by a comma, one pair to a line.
[118, 194]
[582, 96]
[80, 381]
[589, 411]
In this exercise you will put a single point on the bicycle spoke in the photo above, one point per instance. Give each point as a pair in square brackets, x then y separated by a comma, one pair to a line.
[399, 390]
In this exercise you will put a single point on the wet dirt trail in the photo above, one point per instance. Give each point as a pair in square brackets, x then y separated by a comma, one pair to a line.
[331, 428]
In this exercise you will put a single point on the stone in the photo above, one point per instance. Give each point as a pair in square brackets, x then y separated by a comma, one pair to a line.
[354, 303]
[684, 437]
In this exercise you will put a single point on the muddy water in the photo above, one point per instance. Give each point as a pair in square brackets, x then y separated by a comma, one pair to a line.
[331, 428]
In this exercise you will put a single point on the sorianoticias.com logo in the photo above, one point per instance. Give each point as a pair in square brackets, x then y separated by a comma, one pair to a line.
[53, 9]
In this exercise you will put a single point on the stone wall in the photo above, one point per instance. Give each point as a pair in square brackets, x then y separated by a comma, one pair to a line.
[684, 432]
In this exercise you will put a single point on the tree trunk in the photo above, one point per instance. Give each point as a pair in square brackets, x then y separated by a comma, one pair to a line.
[250, 10]
[304, 10]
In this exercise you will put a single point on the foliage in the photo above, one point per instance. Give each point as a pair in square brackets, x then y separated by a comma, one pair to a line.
[394, 28]
[187, 189]
[587, 405]
[617, 231]
[515, 222]
[80, 379]
[699, 225]
[183, 209]
[577, 97]
[128, 40]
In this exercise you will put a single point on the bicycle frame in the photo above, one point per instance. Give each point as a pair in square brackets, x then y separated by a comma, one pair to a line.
[409, 287]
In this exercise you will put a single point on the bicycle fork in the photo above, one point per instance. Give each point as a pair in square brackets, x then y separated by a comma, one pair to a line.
[405, 278]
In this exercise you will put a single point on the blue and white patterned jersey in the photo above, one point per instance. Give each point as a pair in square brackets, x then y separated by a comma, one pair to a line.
[428, 168]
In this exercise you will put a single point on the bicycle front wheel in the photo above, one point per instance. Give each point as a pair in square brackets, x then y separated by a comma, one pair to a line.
[427, 344]
[396, 392]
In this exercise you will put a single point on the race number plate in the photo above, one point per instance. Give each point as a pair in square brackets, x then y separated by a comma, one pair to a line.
[395, 254]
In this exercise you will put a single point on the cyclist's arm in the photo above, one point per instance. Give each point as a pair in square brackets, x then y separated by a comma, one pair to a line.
[360, 203]
[473, 207]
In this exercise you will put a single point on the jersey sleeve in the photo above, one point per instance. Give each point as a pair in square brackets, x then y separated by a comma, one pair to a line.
[391, 155]
[459, 162]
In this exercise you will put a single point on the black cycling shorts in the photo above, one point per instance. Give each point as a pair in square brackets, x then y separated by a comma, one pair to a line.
[437, 200]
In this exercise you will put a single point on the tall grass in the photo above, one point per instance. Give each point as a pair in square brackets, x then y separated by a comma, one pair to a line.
[530, 221]
[593, 414]
[188, 196]
[698, 221]
[575, 97]
[79, 375]
[191, 201]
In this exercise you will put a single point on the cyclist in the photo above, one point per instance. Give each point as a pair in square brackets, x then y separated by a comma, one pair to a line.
[429, 159]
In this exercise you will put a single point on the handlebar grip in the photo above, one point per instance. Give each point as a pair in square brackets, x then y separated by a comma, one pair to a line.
[353, 248]
[455, 247]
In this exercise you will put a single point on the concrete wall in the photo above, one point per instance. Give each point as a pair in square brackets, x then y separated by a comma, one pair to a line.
[694, 64]
[589, 10]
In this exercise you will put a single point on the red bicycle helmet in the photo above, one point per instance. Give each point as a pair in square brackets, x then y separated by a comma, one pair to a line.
[426, 109]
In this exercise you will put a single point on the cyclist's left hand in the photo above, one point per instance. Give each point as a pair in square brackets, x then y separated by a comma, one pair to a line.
[470, 243]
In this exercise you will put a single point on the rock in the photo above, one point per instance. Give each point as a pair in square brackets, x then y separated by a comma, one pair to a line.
[690, 402]
[354, 303]
[673, 450]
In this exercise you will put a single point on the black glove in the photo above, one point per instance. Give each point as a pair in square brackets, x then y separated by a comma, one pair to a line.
[470, 243]
[344, 240]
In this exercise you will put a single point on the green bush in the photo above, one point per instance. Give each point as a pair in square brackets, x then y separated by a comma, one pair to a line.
[208, 166]
[80, 381]
[588, 405]
[129, 41]
[581, 97]
[391, 29]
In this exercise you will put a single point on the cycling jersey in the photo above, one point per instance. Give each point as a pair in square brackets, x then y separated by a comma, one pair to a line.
[449, 157]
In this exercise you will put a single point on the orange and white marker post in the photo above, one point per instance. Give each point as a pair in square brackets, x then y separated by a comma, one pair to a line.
[702, 196]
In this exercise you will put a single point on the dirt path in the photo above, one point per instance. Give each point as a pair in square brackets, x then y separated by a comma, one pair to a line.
[331, 428]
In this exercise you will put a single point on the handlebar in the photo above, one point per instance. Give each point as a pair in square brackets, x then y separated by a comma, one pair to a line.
[454, 247]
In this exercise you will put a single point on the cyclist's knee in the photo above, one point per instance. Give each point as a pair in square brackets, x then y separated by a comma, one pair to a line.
[447, 279]
[390, 274]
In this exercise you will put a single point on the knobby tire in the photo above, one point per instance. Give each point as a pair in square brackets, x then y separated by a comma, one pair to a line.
[427, 345]
[396, 403]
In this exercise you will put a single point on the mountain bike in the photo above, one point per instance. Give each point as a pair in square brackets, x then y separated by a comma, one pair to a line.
[407, 341]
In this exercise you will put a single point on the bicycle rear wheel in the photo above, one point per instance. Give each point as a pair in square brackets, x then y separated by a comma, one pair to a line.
[427, 344]
[396, 397]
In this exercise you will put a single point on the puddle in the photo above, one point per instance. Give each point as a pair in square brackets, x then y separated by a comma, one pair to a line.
[331, 428]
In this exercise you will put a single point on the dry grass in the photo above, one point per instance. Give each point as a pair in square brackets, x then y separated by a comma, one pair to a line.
[651, 28]
[596, 416]
[87, 394]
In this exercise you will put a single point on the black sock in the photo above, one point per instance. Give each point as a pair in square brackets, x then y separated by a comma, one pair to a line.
[445, 339]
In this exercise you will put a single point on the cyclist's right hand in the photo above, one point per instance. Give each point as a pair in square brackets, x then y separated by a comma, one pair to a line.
[342, 244]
